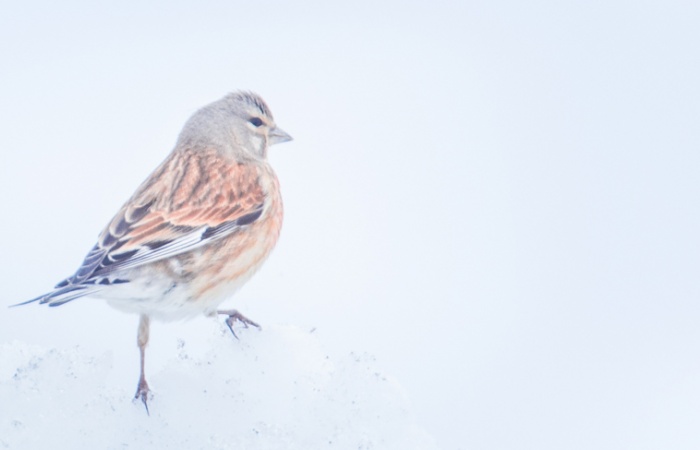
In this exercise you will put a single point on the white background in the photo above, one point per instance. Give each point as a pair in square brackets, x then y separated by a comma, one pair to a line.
[499, 200]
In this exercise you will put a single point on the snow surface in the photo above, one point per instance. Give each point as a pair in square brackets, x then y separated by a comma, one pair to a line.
[274, 389]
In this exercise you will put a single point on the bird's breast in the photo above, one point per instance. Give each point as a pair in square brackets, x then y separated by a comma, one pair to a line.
[219, 269]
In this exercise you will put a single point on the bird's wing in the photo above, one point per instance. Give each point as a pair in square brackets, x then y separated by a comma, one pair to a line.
[187, 203]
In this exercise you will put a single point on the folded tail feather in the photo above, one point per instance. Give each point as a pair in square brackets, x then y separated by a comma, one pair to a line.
[63, 295]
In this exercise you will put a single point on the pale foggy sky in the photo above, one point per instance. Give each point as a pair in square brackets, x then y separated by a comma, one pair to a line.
[497, 199]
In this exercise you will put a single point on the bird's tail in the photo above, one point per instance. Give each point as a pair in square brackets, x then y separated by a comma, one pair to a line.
[62, 295]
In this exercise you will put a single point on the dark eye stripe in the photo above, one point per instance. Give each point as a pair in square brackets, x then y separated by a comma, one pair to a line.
[255, 121]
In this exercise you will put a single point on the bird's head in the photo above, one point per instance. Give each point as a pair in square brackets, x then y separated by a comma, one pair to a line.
[239, 124]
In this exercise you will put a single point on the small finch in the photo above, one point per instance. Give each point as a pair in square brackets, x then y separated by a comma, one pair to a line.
[196, 230]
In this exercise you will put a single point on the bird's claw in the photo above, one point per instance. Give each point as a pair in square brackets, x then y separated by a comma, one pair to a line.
[233, 316]
[143, 393]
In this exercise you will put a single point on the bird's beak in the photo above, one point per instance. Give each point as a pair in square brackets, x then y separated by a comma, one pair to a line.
[277, 136]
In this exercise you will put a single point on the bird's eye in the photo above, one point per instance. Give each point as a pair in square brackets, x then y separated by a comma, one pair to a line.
[255, 121]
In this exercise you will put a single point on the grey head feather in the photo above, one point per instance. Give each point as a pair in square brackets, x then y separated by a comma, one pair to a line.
[240, 125]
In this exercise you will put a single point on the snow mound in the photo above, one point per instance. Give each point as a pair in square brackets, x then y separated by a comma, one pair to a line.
[276, 389]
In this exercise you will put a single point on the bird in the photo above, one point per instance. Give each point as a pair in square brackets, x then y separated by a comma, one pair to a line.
[199, 226]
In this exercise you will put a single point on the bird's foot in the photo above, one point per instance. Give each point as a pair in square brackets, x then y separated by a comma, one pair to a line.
[233, 316]
[143, 393]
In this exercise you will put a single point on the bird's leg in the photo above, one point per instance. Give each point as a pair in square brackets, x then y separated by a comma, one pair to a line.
[142, 390]
[233, 316]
